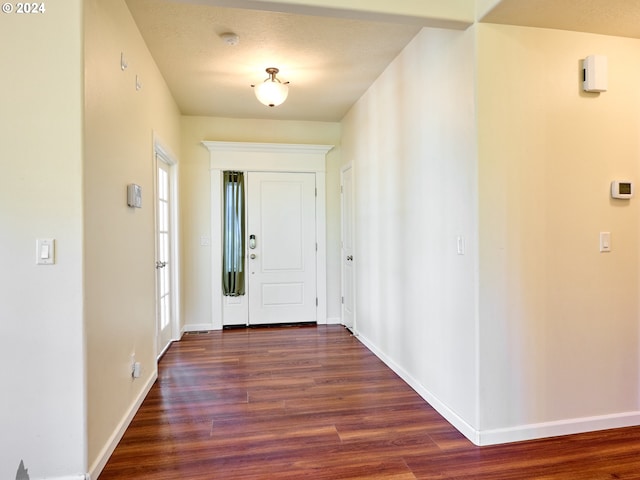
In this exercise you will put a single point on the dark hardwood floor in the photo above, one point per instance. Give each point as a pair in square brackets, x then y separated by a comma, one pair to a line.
[314, 403]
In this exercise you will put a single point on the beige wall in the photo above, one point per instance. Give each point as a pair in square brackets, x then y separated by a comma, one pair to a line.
[195, 200]
[434, 13]
[537, 335]
[411, 139]
[531, 326]
[559, 320]
[119, 241]
[42, 406]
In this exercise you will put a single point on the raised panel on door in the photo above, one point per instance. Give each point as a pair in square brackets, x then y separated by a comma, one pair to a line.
[282, 264]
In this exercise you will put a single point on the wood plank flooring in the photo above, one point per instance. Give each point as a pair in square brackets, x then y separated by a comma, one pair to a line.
[314, 403]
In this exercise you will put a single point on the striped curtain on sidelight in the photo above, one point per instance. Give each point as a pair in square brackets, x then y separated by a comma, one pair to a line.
[234, 233]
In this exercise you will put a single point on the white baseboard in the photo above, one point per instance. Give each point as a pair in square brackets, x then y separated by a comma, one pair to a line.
[461, 425]
[118, 433]
[511, 434]
[68, 477]
[334, 321]
[561, 427]
[198, 327]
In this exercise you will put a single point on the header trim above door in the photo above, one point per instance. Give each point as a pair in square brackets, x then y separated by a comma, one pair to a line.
[276, 157]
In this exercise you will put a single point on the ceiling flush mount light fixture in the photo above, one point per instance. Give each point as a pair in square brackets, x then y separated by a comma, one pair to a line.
[272, 92]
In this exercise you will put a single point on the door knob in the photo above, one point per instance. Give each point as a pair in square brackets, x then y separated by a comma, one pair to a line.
[252, 256]
[350, 258]
[161, 264]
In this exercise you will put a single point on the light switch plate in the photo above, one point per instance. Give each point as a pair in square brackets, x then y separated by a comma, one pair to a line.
[460, 245]
[605, 241]
[45, 251]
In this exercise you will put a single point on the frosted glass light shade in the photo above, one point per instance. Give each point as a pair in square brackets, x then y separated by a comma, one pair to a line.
[271, 92]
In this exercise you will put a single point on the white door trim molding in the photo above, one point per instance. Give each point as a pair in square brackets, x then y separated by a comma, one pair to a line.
[166, 155]
[266, 157]
[343, 170]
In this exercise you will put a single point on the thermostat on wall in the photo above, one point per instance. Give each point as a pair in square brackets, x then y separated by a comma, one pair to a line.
[620, 189]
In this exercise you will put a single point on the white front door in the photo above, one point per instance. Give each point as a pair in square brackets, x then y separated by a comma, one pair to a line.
[348, 273]
[281, 247]
[164, 264]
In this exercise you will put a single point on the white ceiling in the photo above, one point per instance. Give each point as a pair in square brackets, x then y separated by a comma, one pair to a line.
[330, 61]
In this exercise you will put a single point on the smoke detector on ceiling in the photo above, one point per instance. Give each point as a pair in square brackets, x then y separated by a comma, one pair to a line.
[230, 39]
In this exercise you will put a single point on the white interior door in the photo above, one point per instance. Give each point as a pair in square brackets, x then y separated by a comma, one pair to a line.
[348, 273]
[164, 264]
[281, 247]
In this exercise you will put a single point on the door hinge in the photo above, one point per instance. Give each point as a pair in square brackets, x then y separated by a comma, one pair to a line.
[342, 300]
[316, 246]
[316, 301]
[316, 191]
[341, 189]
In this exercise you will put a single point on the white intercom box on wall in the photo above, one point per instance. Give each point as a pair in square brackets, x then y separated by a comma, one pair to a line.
[134, 195]
[594, 73]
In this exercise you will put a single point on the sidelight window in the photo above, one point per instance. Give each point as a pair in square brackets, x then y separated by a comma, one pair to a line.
[234, 235]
